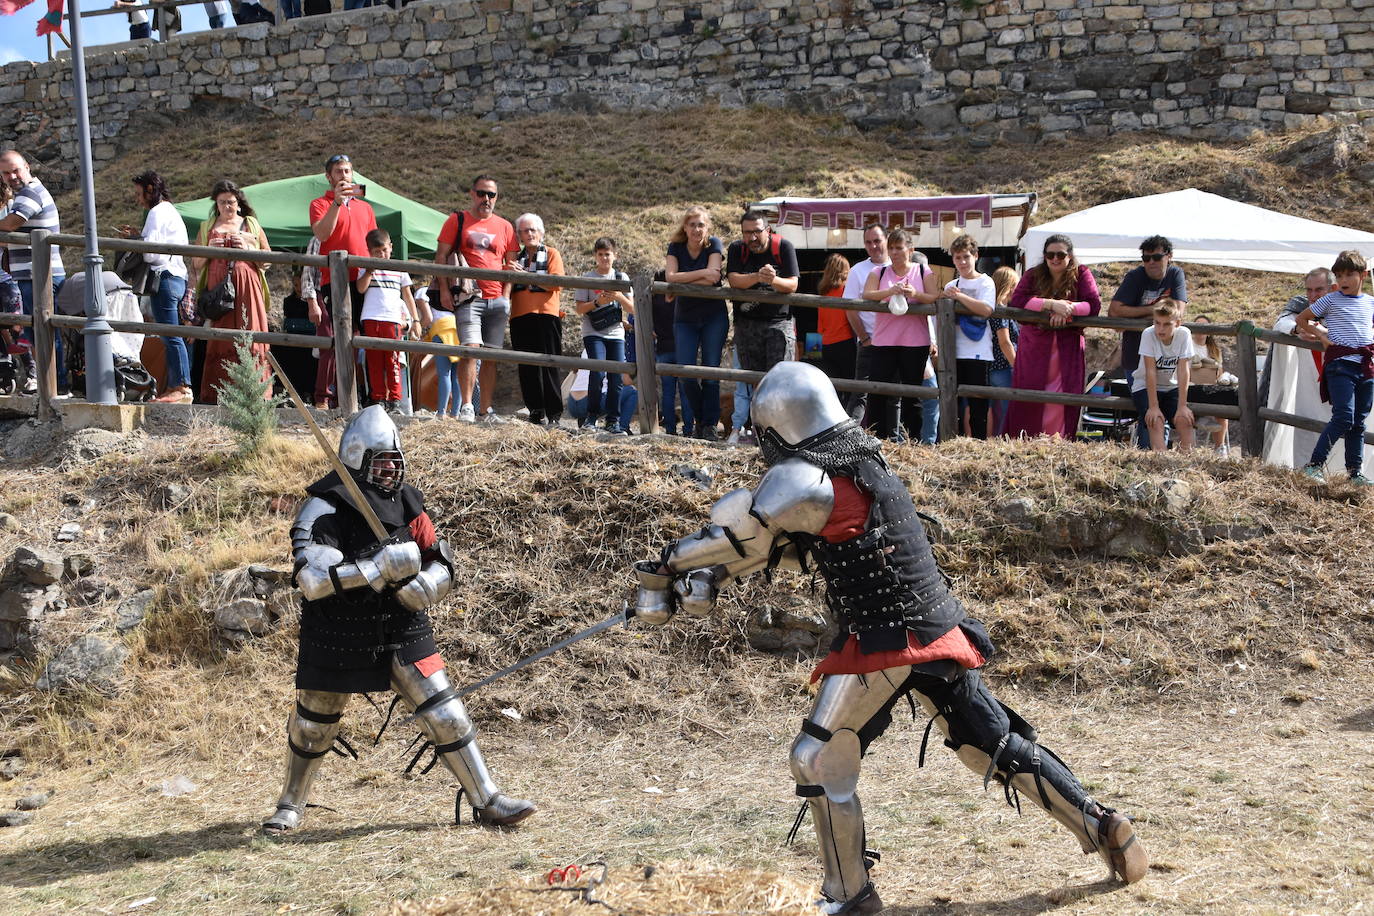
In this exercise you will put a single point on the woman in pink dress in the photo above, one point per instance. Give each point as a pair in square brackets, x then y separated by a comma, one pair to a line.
[1050, 357]
[901, 342]
[232, 224]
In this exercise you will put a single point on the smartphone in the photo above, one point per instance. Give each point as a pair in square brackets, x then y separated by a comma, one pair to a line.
[360, 190]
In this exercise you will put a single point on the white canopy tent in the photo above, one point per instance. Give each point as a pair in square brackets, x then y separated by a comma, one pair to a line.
[1204, 229]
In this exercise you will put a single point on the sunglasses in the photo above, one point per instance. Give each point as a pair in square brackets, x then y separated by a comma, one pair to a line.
[1150, 258]
[335, 160]
[1056, 256]
[489, 195]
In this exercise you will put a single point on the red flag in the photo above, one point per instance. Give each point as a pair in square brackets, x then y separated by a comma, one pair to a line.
[51, 21]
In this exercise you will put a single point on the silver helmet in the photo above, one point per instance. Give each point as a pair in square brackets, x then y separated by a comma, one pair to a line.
[370, 448]
[795, 402]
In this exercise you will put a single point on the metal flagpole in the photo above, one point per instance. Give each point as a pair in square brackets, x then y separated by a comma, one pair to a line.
[100, 380]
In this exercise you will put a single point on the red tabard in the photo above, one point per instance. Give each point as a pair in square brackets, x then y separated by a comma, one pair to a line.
[846, 521]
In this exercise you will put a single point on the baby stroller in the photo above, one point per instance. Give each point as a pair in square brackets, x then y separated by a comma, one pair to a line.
[14, 350]
[132, 382]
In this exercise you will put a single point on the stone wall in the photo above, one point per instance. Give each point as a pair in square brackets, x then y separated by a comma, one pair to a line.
[1003, 70]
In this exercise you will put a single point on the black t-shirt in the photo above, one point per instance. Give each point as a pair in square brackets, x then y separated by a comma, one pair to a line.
[740, 260]
[1138, 289]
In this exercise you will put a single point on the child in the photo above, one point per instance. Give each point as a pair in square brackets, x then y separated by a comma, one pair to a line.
[974, 342]
[1006, 336]
[444, 330]
[603, 334]
[1159, 385]
[1348, 377]
[388, 312]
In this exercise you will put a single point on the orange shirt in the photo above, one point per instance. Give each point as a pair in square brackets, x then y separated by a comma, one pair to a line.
[834, 323]
[527, 302]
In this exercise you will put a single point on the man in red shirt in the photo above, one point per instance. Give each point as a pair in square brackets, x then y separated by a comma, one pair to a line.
[487, 241]
[341, 220]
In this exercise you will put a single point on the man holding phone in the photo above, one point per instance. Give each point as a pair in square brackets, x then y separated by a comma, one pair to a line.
[341, 220]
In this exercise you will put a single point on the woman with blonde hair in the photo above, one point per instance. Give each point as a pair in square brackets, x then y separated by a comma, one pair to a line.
[1051, 357]
[839, 346]
[1006, 335]
[700, 325]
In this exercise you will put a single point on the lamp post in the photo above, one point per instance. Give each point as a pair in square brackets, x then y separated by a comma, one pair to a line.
[100, 380]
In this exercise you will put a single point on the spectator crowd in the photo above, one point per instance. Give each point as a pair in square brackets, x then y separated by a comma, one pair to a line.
[1164, 367]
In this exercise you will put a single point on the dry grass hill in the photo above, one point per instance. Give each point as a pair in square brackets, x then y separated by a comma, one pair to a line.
[1192, 633]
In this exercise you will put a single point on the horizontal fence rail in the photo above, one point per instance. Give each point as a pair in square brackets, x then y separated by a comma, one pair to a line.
[1249, 414]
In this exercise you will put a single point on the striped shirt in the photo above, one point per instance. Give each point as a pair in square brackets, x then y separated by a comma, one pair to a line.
[1349, 320]
[35, 204]
[382, 301]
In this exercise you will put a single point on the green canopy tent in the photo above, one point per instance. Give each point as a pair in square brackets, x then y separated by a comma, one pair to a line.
[283, 206]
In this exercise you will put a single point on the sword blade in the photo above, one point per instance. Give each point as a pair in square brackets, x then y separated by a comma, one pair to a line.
[621, 617]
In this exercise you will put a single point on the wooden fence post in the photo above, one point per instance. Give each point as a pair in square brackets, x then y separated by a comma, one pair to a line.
[1247, 391]
[646, 376]
[946, 327]
[345, 360]
[44, 351]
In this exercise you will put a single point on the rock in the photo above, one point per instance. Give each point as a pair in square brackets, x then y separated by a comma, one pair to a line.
[1135, 541]
[91, 589]
[22, 612]
[11, 766]
[37, 566]
[173, 495]
[86, 445]
[1327, 152]
[1307, 103]
[33, 801]
[91, 661]
[29, 440]
[797, 628]
[133, 611]
[68, 532]
[1171, 494]
[1019, 511]
[8, 522]
[247, 615]
[14, 818]
[78, 565]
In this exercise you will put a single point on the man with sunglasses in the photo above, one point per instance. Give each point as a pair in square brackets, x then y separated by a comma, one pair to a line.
[341, 220]
[1156, 278]
[486, 241]
[875, 243]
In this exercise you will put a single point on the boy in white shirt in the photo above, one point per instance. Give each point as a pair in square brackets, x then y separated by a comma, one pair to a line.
[974, 340]
[1159, 385]
[389, 312]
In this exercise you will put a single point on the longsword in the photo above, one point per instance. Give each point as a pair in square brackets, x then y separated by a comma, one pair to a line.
[623, 616]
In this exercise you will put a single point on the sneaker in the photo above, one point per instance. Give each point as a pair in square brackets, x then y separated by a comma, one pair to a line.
[1360, 480]
[492, 417]
[733, 438]
[616, 431]
[1315, 472]
[708, 434]
[587, 423]
[467, 414]
[30, 386]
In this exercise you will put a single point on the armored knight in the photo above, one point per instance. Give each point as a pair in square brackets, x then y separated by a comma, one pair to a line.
[364, 626]
[830, 496]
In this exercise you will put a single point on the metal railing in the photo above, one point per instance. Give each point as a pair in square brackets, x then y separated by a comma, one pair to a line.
[1249, 414]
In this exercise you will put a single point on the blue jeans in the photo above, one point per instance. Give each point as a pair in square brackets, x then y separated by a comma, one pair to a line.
[603, 348]
[668, 404]
[701, 398]
[999, 378]
[446, 380]
[629, 403]
[1168, 405]
[170, 289]
[290, 9]
[744, 396]
[1352, 395]
[26, 296]
[356, 4]
[930, 414]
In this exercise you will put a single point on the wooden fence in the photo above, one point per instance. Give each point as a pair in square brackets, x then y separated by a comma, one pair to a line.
[1249, 414]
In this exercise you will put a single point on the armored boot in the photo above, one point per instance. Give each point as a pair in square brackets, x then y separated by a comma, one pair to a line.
[446, 722]
[310, 733]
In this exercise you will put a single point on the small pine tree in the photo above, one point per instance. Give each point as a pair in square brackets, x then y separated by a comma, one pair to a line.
[248, 412]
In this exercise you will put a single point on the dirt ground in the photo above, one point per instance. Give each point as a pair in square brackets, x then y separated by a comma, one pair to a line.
[1253, 805]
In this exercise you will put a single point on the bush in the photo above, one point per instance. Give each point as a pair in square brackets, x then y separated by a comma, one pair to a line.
[250, 410]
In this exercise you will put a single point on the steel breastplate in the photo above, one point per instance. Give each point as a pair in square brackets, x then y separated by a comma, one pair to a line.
[885, 582]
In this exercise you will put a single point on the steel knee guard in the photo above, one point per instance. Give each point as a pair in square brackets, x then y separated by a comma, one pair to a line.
[826, 768]
[310, 734]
